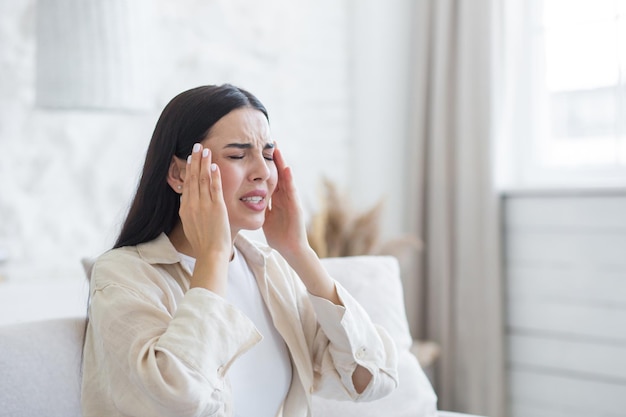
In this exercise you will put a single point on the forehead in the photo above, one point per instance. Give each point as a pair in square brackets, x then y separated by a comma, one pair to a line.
[244, 125]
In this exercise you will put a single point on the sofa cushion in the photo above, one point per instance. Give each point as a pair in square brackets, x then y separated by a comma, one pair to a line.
[375, 283]
[40, 368]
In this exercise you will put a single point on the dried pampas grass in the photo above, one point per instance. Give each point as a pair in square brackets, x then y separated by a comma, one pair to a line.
[337, 230]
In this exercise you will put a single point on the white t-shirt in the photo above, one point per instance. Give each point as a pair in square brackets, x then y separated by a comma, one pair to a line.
[260, 378]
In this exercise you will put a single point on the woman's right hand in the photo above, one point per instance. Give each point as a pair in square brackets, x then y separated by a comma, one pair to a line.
[205, 221]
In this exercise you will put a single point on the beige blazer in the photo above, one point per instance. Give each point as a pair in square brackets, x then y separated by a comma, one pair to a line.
[155, 347]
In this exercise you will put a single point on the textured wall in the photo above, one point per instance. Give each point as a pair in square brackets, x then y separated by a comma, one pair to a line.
[67, 175]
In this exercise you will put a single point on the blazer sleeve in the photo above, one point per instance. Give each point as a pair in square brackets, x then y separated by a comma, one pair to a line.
[345, 338]
[159, 363]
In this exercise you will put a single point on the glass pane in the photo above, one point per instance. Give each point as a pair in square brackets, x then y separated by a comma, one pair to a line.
[582, 56]
[584, 114]
[592, 152]
[585, 54]
[560, 12]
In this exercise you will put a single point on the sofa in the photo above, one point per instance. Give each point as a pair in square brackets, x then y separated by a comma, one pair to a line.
[40, 360]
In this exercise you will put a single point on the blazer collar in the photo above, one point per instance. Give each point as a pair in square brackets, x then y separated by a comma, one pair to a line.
[158, 251]
[161, 250]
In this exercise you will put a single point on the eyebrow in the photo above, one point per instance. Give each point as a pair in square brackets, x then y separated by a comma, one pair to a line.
[268, 145]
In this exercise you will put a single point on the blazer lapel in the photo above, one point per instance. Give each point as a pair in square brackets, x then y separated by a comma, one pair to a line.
[282, 304]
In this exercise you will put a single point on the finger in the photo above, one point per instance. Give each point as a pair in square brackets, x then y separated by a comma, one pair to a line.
[279, 160]
[288, 176]
[193, 172]
[216, 183]
[186, 179]
[205, 175]
[287, 183]
[285, 175]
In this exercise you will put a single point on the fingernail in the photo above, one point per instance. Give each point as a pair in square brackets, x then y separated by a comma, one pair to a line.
[196, 147]
[189, 159]
[205, 152]
[213, 167]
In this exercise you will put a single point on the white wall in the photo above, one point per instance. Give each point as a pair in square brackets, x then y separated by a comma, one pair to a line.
[67, 176]
[331, 73]
[381, 68]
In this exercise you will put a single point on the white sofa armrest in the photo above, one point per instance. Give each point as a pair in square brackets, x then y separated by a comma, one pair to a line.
[40, 367]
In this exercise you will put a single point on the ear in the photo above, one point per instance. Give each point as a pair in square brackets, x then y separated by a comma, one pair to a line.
[176, 174]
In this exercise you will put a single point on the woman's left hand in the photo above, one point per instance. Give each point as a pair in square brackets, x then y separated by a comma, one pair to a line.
[285, 231]
[284, 225]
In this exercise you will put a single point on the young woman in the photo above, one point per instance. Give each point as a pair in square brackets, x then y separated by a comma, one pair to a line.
[188, 317]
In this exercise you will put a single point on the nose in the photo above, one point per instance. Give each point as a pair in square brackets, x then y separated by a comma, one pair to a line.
[260, 171]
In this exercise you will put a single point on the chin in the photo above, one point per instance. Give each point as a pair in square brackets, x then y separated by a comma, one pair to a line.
[253, 225]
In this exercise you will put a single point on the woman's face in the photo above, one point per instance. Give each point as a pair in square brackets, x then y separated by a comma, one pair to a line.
[242, 148]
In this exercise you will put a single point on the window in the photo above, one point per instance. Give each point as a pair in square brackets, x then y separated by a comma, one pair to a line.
[571, 121]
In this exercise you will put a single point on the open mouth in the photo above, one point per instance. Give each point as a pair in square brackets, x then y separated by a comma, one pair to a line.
[253, 200]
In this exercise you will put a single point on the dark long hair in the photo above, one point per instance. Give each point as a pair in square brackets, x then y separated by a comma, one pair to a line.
[186, 120]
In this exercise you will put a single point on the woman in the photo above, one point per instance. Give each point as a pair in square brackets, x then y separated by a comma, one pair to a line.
[188, 317]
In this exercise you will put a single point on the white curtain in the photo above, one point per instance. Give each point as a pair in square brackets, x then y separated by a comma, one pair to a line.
[454, 205]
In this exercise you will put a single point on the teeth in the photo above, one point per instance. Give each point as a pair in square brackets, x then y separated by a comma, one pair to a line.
[252, 199]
